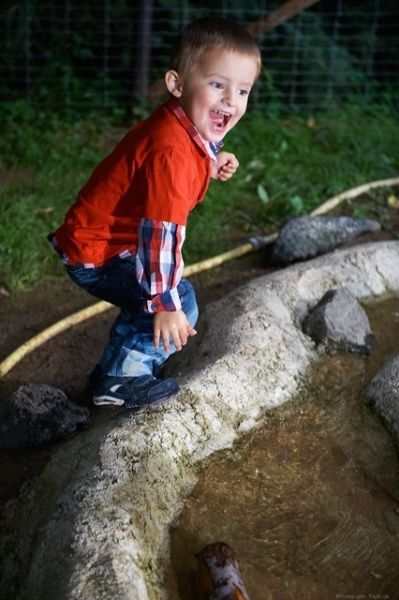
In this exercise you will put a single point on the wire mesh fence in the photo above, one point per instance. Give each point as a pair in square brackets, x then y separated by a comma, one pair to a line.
[112, 54]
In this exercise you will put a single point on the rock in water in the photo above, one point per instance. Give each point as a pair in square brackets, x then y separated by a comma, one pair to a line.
[383, 395]
[38, 415]
[305, 237]
[339, 322]
[218, 575]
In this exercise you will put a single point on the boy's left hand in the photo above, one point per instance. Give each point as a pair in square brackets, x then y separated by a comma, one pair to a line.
[225, 167]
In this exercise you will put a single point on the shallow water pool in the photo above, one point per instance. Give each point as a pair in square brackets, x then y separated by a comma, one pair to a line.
[310, 501]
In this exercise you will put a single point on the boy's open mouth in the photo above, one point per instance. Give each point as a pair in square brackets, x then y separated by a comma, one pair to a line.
[219, 119]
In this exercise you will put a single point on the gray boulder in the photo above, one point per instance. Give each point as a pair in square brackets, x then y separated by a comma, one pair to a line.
[305, 237]
[339, 322]
[383, 395]
[38, 415]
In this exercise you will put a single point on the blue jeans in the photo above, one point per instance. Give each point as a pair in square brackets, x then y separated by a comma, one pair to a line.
[130, 351]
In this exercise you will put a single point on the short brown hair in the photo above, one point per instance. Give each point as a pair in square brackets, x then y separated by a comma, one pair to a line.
[206, 34]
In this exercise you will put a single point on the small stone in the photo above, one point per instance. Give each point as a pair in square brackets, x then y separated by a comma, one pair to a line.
[383, 396]
[38, 415]
[339, 322]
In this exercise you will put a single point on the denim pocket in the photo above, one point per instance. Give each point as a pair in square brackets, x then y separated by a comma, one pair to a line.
[84, 275]
[116, 282]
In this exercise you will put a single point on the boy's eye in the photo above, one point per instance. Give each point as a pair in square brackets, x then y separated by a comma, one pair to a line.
[217, 85]
[243, 92]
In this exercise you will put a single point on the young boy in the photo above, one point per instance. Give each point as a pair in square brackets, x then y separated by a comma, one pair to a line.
[122, 239]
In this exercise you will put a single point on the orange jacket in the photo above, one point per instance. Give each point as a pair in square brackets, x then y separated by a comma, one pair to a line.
[160, 170]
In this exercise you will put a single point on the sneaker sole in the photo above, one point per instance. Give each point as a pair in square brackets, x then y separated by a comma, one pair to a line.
[107, 401]
[153, 403]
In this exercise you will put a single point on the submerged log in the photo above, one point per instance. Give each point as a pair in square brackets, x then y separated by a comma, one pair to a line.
[218, 575]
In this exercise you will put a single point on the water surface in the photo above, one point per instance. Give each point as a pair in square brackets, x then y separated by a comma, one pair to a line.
[310, 501]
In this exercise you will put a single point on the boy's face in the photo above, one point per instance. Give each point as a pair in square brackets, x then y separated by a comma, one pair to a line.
[215, 91]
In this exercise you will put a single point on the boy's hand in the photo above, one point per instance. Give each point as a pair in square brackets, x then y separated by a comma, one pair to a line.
[173, 325]
[225, 167]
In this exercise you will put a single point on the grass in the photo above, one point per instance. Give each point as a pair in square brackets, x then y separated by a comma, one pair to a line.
[289, 165]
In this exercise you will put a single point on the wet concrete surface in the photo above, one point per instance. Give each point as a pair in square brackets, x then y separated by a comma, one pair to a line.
[310, 501]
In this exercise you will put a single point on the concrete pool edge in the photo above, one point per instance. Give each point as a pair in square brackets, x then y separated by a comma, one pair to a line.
[96, 521]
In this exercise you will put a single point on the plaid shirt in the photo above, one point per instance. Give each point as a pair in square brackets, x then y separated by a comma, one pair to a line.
[159, 261]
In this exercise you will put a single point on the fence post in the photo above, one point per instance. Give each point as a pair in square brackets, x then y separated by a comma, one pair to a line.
[370, 55]
[295, 60]
[142, 45]
[28, 53]
[106, 49]
[66, 65]
[333, 53]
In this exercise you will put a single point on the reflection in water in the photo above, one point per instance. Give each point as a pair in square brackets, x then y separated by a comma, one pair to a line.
[310, 501]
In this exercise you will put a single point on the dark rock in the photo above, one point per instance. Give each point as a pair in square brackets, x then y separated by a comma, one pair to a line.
[383, 395]
[38, 415]
[305, 237]
[339, 322]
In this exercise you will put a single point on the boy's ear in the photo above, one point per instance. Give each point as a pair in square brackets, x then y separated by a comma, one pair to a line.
[174, 84]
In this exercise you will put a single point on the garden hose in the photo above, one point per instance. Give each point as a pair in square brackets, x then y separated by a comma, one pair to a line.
[254, 244]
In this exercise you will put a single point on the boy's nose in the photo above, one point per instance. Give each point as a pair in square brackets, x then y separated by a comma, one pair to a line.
[228, 99]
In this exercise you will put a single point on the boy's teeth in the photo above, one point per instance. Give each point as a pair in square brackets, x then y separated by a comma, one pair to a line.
[219, 118]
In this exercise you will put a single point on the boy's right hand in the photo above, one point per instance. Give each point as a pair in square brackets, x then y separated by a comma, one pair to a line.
[171, 325]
